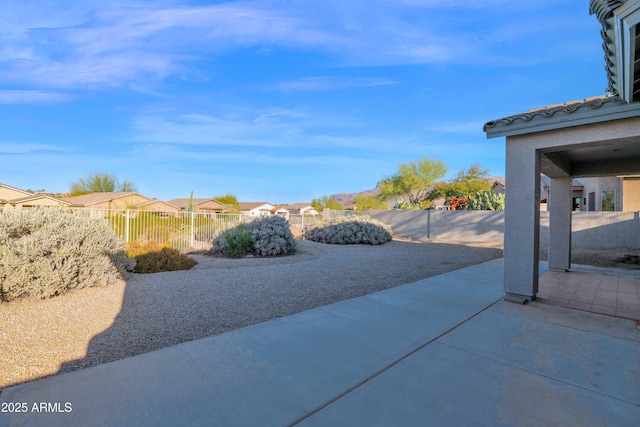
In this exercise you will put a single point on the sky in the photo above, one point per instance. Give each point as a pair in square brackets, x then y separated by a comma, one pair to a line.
[276, 100]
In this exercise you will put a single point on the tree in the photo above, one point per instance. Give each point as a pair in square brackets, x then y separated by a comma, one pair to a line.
[100, 183]
[413, 180]
[467, 183]
[228, 199]
[327, 202]
[370, 201]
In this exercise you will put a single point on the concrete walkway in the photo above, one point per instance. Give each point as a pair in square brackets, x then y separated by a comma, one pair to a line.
[441, 351]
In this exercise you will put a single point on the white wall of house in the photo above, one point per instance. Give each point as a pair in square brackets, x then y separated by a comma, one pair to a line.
[593, 192]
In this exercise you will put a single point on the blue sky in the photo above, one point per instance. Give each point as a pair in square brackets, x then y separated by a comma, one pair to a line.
[276, 100]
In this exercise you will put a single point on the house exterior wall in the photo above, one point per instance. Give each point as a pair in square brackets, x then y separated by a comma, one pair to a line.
[38, 202]
[631, 194]
[210, 206]
[9, 193]
[593, 187]
[160, 206]
[127, 202]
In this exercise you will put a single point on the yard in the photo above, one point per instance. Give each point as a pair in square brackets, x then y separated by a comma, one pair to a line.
[149, 312]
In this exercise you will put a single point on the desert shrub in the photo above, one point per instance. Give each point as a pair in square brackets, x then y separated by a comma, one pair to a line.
[48, 251]
[269, 236]
[239, 242]
[137, 247]
[351, 229]
[155, 257]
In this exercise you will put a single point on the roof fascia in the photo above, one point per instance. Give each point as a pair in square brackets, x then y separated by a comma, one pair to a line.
[625, 18]
[561, 120]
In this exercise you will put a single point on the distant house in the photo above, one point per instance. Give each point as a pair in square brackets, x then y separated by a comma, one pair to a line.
[156, 205]
[256, 209]
[498, 185]
[301, 209]
[613, 193]
[11, 197]
[109, 200]
[203, 205]
[577, 190]
[592, 194]
[281, 210]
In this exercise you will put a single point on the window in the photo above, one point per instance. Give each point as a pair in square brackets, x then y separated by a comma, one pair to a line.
[608, 200]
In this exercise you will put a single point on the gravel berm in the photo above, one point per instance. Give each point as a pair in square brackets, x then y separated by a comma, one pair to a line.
[148, 312]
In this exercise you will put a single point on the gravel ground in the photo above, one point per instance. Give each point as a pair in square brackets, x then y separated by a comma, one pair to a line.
[608, 258]
[149, 312]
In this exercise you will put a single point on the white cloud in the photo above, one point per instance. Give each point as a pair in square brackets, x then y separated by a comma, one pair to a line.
[96, 44]
[328, 83]
[13, 148]
[32, 97]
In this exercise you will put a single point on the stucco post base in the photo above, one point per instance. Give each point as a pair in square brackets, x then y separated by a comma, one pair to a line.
[518, 299]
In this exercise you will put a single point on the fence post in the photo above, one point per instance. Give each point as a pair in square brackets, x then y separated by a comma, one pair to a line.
[126, 225]
[428, 223]
[192, 230]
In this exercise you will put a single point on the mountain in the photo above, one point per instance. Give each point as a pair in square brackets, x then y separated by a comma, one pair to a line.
[347, 199]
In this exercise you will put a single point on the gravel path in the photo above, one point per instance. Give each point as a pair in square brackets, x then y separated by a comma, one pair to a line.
[149, 312]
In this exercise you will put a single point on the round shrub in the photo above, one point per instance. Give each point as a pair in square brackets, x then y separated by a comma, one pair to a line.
[350, 229]
[268, 236]
[48, 251]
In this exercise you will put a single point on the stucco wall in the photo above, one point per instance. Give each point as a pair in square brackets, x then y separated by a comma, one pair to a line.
[631, 194]
[589, 229]
[469, 226]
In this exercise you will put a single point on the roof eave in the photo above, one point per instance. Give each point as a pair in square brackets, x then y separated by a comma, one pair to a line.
[547, 120]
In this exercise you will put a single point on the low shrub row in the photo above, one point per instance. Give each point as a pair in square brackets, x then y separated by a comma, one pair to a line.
[350, 229]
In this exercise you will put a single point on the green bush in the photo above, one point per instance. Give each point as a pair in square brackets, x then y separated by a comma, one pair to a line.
[239, 242]
[48, 251]
[351, 229]
[269, 236]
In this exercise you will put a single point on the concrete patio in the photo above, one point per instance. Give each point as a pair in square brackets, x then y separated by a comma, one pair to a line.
[597, 290]
[441, 351]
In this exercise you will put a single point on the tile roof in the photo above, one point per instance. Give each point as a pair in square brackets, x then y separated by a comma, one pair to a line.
[183, 203]
[546, 181]
[94, 198]
[551, 110]
[36, 197]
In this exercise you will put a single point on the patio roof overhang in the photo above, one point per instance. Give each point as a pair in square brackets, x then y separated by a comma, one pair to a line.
[572, 155]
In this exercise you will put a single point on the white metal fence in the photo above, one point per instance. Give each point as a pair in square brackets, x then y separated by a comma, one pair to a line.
[183, 231]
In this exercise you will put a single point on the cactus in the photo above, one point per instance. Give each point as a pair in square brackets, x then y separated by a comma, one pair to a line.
[486, 201]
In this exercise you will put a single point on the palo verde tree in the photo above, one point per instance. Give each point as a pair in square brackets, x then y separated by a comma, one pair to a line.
[467, 183]
[100, 183]
[413, 180]
[228, 199]
[327, 202]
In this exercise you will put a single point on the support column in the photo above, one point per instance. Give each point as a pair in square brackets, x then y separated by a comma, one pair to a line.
[560, 206]
[522, 221]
